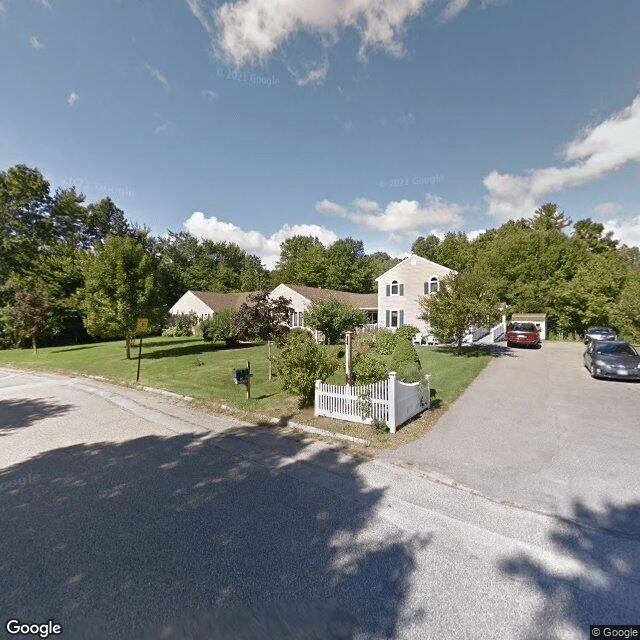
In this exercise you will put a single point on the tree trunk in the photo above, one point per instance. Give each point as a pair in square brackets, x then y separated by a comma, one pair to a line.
[35, 347]
[128, 342]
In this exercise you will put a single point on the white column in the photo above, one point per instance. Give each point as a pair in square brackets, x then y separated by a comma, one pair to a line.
[392, 401]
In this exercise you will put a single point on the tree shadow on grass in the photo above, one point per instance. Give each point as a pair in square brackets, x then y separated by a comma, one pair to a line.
[249, 535]
[467, 351]
[596, 582]
[189, 349]
[15, 414]
[65, 349]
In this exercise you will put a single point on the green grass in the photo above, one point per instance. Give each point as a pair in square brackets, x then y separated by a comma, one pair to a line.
[195, 368]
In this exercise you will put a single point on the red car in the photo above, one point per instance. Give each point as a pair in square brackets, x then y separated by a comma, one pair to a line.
[522, 333]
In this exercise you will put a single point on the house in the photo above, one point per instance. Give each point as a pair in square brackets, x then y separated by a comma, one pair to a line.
[301, 297]
[204, 303]
[401, 287]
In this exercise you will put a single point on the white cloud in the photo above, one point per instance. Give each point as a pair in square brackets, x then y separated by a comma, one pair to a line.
[209, 95]
[161, 128]
[45, 3]
[250, 31]
[267, 247]
[608, 209]
[599, 150]
[158, 76]
[35, 43]
[399, 215]
[72, 98]
[626, 231]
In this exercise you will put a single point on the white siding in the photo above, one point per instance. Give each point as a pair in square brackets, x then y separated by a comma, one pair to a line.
[410, 274]
[190, 303]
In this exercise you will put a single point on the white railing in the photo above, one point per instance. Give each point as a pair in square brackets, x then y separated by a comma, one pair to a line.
[389, 401]
[498, 331]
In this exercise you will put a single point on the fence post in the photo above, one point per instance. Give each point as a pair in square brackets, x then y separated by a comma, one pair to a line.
[315, 399]
[392, 401]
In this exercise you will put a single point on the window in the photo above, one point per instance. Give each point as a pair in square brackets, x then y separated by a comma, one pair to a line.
[394, 318]
[394, 288]
[433, 285]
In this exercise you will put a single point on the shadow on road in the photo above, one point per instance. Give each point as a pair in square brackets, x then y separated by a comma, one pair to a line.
[15, 414]
[215, 537]
[599, 585]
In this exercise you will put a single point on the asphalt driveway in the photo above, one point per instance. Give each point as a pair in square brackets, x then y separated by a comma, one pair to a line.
[534, 429]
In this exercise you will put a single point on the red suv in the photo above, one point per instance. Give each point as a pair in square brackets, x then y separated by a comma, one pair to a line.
[522, 333]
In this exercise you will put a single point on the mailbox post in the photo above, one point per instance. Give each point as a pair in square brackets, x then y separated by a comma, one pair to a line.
[243, 376]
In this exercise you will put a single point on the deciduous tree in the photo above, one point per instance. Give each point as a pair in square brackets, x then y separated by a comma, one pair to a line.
[333, 317]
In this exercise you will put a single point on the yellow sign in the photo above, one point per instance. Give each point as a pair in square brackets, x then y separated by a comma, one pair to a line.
[142, 325]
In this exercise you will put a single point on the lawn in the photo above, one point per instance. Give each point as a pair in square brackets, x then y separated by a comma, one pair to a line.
[192, 367]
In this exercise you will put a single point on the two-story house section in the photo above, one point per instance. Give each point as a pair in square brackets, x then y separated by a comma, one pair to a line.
[401, 287]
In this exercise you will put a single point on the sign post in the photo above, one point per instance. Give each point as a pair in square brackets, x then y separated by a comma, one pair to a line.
[142, 326]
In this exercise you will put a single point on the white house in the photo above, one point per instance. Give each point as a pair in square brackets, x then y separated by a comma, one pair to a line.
[301, 297]
[205, 303]
[401, 287]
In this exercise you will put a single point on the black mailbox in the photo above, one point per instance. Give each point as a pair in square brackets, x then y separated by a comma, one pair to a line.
[241, 376]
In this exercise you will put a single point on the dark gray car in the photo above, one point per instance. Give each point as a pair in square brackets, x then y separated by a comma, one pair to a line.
[599, 333]
[612, 359]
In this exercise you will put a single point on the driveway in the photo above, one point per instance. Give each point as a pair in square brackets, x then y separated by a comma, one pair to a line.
[536, 430]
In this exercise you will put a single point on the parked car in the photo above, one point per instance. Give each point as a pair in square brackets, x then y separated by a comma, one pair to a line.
[599, 333]
[612, 359]
[522, 333]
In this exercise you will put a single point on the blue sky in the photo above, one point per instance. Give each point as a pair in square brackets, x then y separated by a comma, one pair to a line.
[382, 120]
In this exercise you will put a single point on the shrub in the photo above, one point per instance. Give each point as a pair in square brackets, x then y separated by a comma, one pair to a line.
[379, 426]
[406, 331]
[385, 342]
[181, 325]
[300, 363]
[369, 367]
[220, 328]
[406, 363]
[333, 318]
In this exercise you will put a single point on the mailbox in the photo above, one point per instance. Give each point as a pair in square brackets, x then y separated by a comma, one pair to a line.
[241, 376]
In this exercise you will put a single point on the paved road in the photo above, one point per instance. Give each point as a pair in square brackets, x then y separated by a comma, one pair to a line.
[536, 430]
[131, 515]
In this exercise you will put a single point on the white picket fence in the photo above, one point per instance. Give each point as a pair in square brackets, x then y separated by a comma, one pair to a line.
[390, 401]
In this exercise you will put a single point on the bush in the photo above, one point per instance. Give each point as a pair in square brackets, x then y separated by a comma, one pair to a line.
[300, 363]
[369, 367]
[181, 326]
[333, 318]
[220, 328]
[385, 342]
[407, 331]
[406, 363]
[379, 426]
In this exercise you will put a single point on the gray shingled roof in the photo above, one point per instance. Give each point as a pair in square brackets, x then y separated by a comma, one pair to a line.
[217, 301]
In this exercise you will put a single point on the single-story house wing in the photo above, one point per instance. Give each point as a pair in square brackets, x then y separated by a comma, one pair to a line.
[204, 303]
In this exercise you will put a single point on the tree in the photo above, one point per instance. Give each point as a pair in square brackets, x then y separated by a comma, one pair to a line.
[346, 267]
[262, 318]
[333, 318]
[120, 286]
[454, 251]
[104, 218]
[463, 300]
[376, 264]
[628, 312]
[303, 260]
[29, 313]
[426, 247]
[300, 362]
[549, 218]
[591, 233]
[220, 327]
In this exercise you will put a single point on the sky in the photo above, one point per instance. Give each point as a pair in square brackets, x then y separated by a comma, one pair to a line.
[250, 121]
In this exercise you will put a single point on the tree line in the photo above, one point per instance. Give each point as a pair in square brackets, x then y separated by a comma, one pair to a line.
[70, 270]
[535, 265]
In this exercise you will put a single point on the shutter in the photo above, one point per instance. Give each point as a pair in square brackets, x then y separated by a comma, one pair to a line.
[388, 316]
[400, 317]
[426, 288]
[401, 289]
[388, 292]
